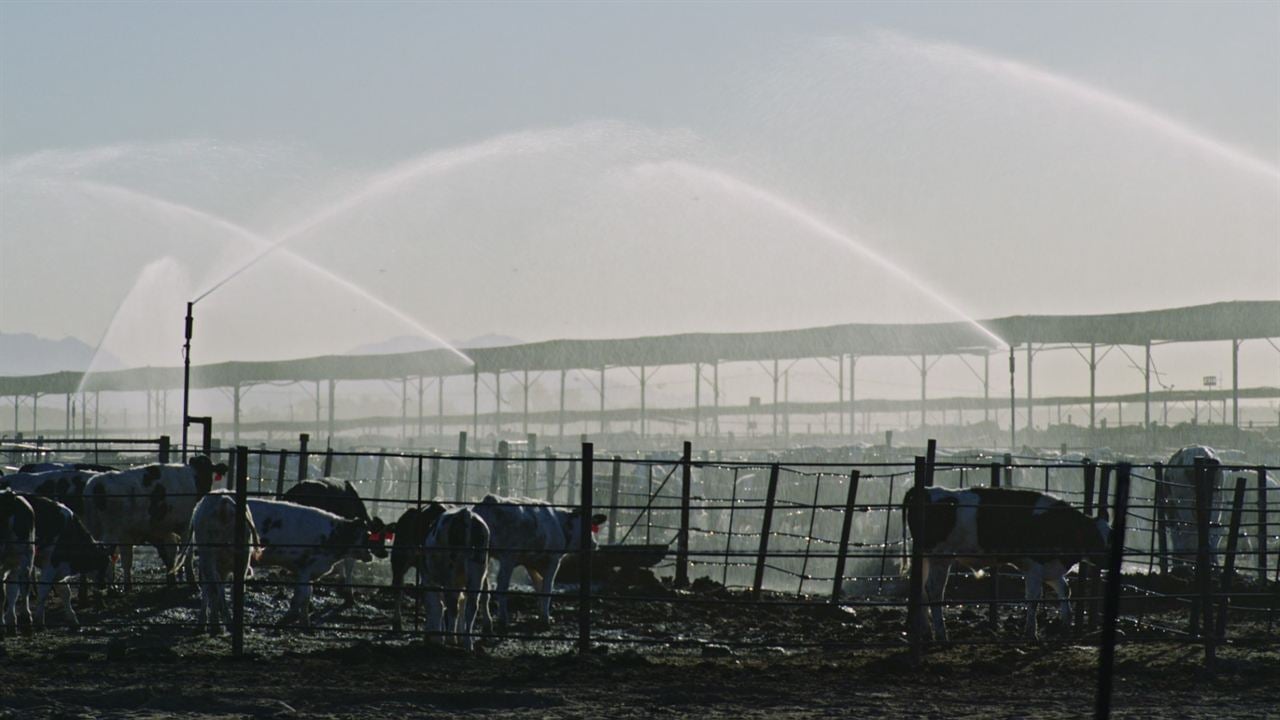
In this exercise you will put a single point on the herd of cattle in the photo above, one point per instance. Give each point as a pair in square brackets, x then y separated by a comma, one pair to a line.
[62, 521]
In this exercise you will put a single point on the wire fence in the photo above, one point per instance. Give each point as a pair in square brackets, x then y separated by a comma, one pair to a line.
[747, 554]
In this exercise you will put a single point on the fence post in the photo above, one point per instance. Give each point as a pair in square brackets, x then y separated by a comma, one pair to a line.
[551, 477]
[377, 481]
[163, 455]
[435, 476]
[682, 541]
[495, 476]
[770, 495]
[461, 475]
[851, 498]
[284, 459]
[1111, 603]
[1201, 605]
[529, 468]
[728, 536]
[930, 456]
[915, 610]
[328, 461]
[613, 498]
[241, 549]
[303, 439]
[584, 574]
[993, 610]
[1229, 564]
[1095, 583]
[1262, 525]
[1084, 580]
[1008, 470]
[1162, 518]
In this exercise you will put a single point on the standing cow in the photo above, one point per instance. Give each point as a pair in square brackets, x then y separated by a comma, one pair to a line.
[307, 542]
[981, 527]
[17, 555]
[533, 535]
[1179, 508]
[213, 542]
[151, 504]
[411, 530]
[340, 498]
[455, 568]
[64, 549]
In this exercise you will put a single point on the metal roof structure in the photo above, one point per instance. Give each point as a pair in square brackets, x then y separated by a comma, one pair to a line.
[1235, 320]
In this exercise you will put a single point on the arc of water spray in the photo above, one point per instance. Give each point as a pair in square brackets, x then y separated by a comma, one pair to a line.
[1087, 94]
[819, 227]
[253, 237]
[434, 162]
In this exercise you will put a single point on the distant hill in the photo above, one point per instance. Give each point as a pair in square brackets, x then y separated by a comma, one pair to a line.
[414, 343]
[28, 354]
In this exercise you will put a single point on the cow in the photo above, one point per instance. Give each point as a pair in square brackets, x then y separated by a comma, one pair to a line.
[213, 542]
[308, 542]
[410, 531]
[980, 527]
[148, 504]
[533, 535]
[17, 555]
[340, 498]
[455, 567]
[63, 484]
[64, 549]
[1179, 507]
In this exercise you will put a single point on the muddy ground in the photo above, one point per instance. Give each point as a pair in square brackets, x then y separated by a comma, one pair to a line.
[139, 657]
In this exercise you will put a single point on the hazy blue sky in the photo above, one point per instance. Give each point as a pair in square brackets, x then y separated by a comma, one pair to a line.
[373, 80]
[594, 170]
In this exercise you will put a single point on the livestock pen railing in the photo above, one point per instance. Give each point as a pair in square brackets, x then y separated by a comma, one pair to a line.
[758, 555]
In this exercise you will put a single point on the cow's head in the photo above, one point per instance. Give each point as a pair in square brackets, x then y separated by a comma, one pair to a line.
[573, 529]
[207, 473]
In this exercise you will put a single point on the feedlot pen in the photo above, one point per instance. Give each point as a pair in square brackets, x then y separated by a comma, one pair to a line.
[779, 564]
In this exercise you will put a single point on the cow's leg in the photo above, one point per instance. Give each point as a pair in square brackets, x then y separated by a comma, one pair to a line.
[42, 594]
[936, 574]
[475, 584]
[64, 590]
[1064, 598]
[348, 578]
[451, 599]
[397, 589]
[1034, 580]
[167, 555]
[434, 627]
[505, 569]
[24, 587]
[548, 583]
[126, 564]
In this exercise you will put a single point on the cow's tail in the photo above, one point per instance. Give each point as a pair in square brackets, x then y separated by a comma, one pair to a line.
[477, 540]
[183, 556]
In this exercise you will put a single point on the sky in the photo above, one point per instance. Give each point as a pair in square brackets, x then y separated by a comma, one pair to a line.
[542, 170]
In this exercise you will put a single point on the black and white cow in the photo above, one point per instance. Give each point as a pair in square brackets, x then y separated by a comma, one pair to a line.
[1179, 509]
[150, 504]
[340, 498]
[981, 527]
[17, 555]
[308, 542]
[64, 549]
[410, 536]
[533, 535]
[455, 567]
[213, 535]
[63, 484]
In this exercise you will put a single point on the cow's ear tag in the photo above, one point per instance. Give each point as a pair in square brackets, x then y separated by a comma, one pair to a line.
[217, 477]
[389, 537]
[595, 528]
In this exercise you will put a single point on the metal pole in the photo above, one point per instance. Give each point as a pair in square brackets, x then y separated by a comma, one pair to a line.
[242, 550]
[851, 498]
[584, 574]
[682, 541]
[1106, 660]
[186, 382]
[697, 398]
[1013, 424]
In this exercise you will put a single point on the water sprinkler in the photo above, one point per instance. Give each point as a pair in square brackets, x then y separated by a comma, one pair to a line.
[186, 378]
[1013, 425]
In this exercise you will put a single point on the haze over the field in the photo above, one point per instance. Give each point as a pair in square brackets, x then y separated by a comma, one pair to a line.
[543, 171]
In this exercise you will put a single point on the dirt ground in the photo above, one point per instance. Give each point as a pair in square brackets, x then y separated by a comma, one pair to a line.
[138, 657]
